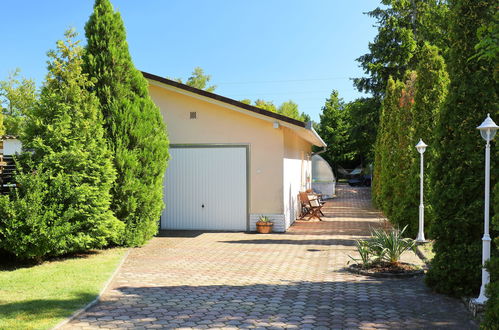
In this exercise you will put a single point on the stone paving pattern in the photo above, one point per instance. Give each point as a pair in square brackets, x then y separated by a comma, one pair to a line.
[197, 280]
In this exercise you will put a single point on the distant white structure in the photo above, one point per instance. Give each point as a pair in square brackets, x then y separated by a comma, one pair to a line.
[323, 179]
[10, 145]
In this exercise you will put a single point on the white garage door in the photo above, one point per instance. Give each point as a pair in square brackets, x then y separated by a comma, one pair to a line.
[205, 188]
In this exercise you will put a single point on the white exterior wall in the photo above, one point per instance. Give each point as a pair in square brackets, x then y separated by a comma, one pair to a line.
[293, 184]
[297, 175]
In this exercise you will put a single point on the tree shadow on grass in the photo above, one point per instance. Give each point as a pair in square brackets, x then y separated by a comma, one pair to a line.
[335, 304]
[30, 311]
[8, 262]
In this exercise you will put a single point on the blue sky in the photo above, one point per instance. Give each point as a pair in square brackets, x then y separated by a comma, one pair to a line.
[276, 50]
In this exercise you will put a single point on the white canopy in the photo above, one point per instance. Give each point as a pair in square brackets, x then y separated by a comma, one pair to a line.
[321, 171]
[323, 180]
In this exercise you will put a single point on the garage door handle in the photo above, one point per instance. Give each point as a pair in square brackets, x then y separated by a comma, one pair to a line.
[202, 205]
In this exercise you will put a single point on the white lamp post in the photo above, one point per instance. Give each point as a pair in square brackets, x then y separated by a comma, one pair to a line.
[421, 146]
[488, 130]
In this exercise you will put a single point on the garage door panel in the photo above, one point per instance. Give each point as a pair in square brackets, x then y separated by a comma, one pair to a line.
[211, 177]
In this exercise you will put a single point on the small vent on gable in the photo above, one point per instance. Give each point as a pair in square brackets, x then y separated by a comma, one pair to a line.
[193, 115]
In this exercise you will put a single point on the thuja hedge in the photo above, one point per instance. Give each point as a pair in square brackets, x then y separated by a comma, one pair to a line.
[457, 176]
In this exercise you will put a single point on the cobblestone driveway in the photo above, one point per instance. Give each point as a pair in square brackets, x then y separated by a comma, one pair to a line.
[292, 280]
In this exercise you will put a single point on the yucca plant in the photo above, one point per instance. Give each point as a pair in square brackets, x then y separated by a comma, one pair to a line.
[389, 245]
[365, 252]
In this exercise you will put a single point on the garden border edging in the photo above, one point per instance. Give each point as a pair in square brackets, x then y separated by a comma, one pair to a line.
[353, 269]
[97, 299]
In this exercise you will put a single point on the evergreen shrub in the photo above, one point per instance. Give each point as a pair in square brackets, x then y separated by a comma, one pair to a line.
[62, 203]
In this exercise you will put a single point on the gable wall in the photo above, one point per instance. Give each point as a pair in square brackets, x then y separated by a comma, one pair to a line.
[216, 124]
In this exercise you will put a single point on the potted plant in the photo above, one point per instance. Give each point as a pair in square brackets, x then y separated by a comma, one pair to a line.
[264, 225]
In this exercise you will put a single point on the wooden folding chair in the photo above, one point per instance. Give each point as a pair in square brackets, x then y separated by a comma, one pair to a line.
[310, 207]
[313, 195]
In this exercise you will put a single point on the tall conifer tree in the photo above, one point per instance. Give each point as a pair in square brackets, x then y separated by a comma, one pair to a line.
[62, 203]
[134, 126]
[401, 155]
[386, 153]
[421, 101]
[458, 172]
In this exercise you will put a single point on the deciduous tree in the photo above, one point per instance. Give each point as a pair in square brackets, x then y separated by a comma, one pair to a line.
[334, 128]
[199, 79]
[17, 96]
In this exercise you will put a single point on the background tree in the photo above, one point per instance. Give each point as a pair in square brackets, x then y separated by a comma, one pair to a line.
[2, 127]
[133, 125]
[266, 105]
[305, 117]
[334, 128]
[62, 205]
[458, 225]
[403, 25]
[17, 97]
[199, 80]
[289, 109]
[364, 118]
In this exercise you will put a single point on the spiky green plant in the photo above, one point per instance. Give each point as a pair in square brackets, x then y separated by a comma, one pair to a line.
[365, 252]
[389, 245]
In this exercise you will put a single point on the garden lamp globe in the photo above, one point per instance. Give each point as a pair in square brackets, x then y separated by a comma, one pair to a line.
[421, 146]
[488, 129]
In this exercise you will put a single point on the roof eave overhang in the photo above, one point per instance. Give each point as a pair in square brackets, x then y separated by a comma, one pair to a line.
[304, 130]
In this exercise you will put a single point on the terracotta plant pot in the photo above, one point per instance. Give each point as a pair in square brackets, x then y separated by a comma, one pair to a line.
[264, 227]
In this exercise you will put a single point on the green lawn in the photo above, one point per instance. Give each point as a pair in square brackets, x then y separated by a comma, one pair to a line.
[427, 250]
[39, 297]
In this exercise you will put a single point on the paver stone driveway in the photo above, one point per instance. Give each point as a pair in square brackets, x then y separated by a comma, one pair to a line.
[293, 280]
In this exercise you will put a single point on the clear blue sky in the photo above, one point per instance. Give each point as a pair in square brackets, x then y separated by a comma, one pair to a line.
[276, 50]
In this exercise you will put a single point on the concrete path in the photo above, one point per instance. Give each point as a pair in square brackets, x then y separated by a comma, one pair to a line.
[293, 280]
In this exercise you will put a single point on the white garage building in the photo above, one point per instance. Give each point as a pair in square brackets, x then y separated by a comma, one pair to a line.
[230, 162]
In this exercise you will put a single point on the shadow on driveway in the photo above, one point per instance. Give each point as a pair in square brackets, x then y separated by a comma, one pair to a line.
[344, 242]
[381, 302]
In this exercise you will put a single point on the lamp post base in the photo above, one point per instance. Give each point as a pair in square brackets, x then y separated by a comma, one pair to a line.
[420, 238]
[482, 299]
[476, 309]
